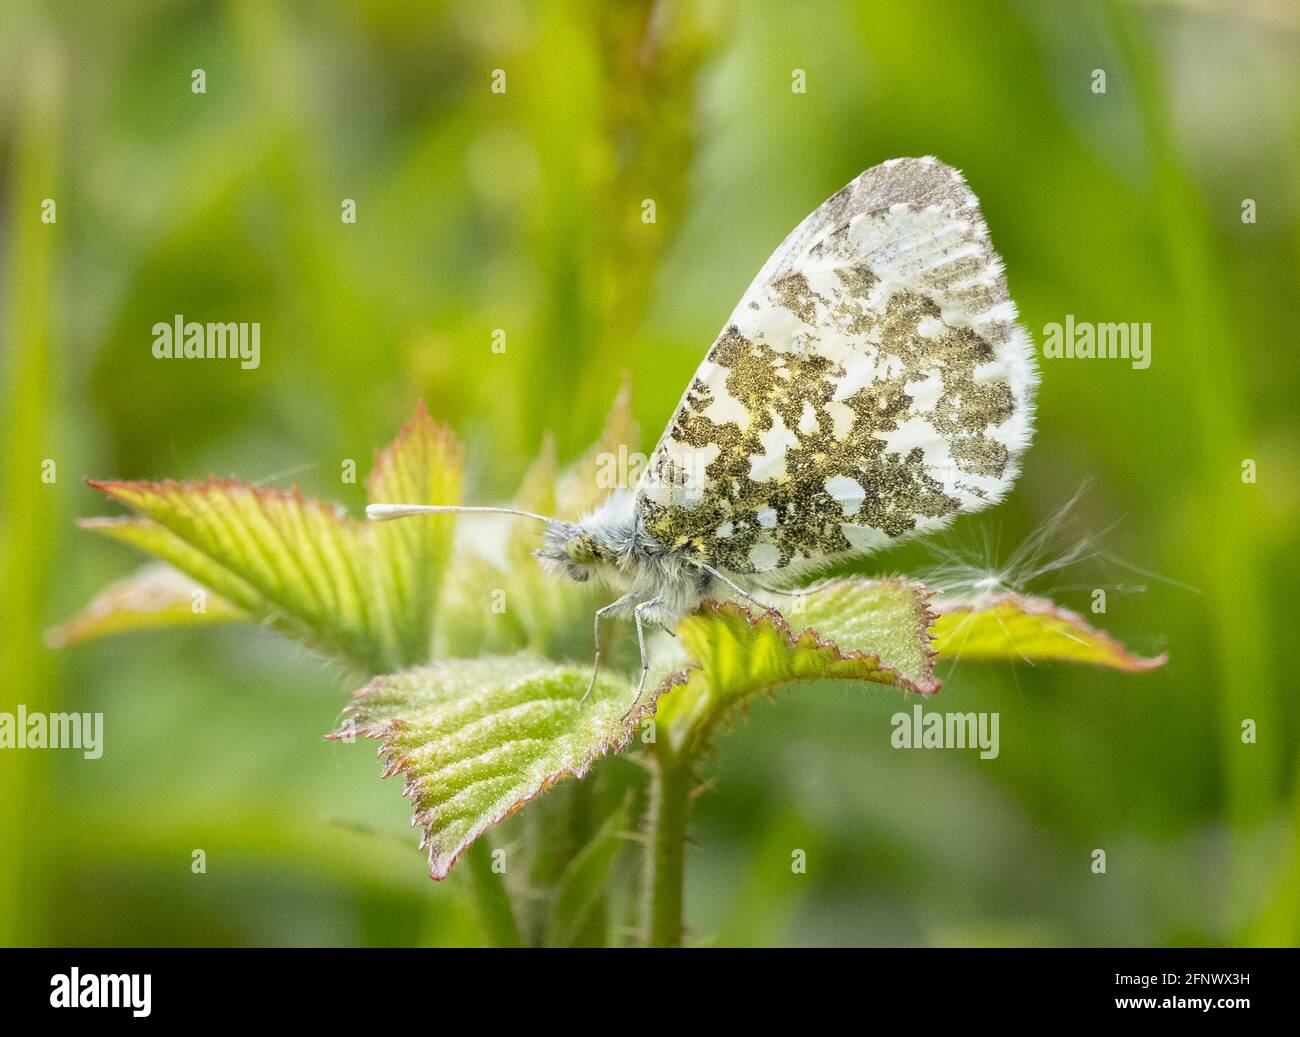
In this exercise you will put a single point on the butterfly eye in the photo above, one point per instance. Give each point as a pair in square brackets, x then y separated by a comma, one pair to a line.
[580, 549]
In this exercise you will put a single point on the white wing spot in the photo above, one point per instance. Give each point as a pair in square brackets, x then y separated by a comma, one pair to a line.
[808, 419]
[764, 557]
[864, 539]
[847, 491]
[931, 327]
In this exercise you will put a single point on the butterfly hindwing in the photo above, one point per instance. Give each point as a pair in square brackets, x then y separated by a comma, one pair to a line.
[871, 383]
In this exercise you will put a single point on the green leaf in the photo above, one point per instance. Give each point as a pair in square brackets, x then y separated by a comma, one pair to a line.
[476, 739]
[865, 630]
[422, 466]
[154, 539]
[363, 592]
[543, 614]
[1013, 626]
[153, 598]
[288, 559]
[581, 889]
[538, 612]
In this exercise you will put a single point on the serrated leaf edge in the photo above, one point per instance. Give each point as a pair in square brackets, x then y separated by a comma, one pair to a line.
[1131, 662]
[925, 615]
[440, 865]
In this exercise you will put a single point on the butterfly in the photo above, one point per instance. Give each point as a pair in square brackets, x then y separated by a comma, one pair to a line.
[871, 384]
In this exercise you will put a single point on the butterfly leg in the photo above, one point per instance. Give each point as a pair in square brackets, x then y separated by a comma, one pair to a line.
[600, 612]
[638, 615]
[737, 588]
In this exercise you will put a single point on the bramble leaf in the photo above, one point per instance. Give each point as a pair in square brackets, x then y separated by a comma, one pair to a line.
[865, 630]
[362, 592]
[421, 466]
[476, 739]
[290, 560]
[535, 612]
[152, 598]
[1014, 626]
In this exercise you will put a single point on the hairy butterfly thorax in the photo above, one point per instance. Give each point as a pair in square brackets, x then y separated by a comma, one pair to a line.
[871, 384]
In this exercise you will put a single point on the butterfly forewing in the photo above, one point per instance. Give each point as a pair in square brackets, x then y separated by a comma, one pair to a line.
[871, 383]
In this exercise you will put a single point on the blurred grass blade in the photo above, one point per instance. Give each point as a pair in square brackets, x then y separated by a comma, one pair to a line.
[476, 739]
[491, 899]
[581, 889]
[153, 598]
[33, 353]
[1013, 626]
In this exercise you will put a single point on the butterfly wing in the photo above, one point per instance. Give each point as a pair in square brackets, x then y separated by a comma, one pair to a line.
[872, 383]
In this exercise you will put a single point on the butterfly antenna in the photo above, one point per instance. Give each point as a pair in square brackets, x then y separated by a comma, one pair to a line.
[384, 512]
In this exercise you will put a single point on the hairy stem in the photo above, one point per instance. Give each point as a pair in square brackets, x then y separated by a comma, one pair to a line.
[667, 816]
[495, 912]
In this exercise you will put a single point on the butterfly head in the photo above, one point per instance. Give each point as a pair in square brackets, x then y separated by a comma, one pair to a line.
[571, 550]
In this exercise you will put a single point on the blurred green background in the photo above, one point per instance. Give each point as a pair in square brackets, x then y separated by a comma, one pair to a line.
[522, 211]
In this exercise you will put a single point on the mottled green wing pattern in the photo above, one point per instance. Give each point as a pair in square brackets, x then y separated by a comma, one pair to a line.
[872, 383]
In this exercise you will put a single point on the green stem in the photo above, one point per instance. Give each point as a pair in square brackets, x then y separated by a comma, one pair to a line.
[667, 816]
[491, 897]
